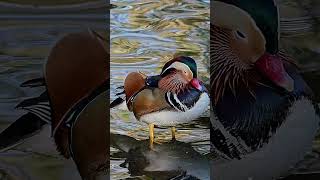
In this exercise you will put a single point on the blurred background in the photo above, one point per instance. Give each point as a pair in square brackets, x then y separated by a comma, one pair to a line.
[28, 30]
[300, 37]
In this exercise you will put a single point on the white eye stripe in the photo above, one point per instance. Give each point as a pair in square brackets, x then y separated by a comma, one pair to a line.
[184, 107]
[179, 66]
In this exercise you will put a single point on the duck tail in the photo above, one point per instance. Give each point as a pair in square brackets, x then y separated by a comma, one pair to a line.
[38, 114]
[38, 82]
[26, 126]
[116, 102]
[120, 97]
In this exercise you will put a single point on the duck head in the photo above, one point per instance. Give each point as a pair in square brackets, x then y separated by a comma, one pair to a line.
[177, 75]
[244, 44]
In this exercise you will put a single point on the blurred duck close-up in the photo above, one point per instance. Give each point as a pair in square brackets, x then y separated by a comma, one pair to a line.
[264, 117]
[75, 98]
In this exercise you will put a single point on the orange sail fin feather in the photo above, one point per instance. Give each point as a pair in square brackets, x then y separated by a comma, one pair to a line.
[133, 83]
[80, 81]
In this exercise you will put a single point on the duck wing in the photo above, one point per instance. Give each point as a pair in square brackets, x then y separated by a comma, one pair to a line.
[149, 100]
[38, 106]
[26, 126]
[38, 114]
[133, 84]
[34, 83]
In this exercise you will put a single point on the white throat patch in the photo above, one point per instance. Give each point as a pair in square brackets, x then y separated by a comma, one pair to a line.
[179, 66]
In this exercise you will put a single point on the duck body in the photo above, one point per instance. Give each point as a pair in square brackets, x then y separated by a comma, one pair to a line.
[180, 108]
[76, 88]
[289, 145]
[271, 131]
[76, 78]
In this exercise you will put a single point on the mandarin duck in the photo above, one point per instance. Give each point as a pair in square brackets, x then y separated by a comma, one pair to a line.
[264, 117]
[74, 103]
[174, 97]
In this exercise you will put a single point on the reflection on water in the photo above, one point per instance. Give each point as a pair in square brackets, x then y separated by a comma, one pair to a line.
[24, 44]
[145, 35]
[170, 160]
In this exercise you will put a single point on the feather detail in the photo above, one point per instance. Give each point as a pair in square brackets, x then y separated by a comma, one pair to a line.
[149, 100]
[227, 70]
[26, 126]
[173, 82]
[133, 83]
[34, 83]
[61, 139]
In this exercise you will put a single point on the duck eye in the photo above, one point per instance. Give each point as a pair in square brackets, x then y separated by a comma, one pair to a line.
[240, 34]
